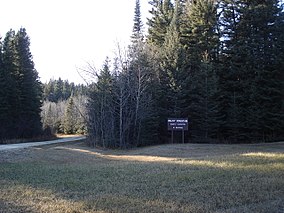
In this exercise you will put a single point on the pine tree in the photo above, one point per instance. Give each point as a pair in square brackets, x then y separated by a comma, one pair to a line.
[101, 109]
[171, 68]
[139, 77]
[10, 107]
[266, 116]
[137, 35]
[29, 124]
[66, 91]
[3, 98]
[69, 122]
[201, 41]
[229, 82]
[254, 51]
[162, 13]
[21, 89]
[58, 89]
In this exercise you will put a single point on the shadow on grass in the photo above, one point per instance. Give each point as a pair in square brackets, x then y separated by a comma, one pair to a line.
[191, 150]
[229, 159]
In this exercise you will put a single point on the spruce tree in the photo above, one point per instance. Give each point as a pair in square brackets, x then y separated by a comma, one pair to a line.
[254, 54]
[48, 119]
[172, 65]
[3, 98]
[29, 124]
[101, 109]
[140, 81]
[21, 89]
[69, 123]
[137, 33]
[201, 41]
[265, 115]
[162, 13]
[10, 91]
[58, 89]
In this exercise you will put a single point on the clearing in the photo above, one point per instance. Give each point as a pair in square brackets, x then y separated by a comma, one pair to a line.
[167, 178]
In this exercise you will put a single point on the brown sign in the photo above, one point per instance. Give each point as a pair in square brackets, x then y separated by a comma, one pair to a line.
[176, 124]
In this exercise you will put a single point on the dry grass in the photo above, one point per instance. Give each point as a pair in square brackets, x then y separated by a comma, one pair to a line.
[169, 178]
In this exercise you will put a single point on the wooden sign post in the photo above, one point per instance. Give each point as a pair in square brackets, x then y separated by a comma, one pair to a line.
[177, 124]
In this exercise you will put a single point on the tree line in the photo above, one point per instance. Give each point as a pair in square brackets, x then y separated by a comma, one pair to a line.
[218, 63]
[60, 90]
[20, 89]
[30, 109]
[64, 107]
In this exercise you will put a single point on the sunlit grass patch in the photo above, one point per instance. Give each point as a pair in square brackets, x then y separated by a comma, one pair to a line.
[265, 155]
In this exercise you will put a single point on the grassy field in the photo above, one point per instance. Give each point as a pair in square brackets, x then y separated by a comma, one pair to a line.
[168, 178]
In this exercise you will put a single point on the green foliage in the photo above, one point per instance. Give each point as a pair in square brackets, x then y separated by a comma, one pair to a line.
[69, 118]
[201, 88]
[29, 123]
[58, 113]
[59, 90]
[219, 63]
[101, 109]
[9, 91]
[254, 65]
[162, 13]
[138, 25]
[21, 89]
[120, 103]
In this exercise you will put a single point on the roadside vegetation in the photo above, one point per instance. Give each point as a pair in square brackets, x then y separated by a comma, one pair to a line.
[169, 178]
[64, 107]
[217, 63]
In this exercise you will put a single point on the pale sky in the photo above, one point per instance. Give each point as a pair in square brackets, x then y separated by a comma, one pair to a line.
[66, 34]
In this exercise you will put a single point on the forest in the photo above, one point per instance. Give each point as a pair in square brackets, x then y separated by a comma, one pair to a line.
[218, 63]
[64, 107]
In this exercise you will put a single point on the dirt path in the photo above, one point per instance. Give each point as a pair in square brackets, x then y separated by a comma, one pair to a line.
[32, 144]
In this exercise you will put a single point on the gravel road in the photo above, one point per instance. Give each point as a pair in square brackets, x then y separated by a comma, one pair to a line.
[32, 144]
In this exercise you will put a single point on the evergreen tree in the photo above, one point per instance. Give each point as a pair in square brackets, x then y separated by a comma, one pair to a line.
[101, 109]
[3, 98]
[30, 90]
[255, 60]
[201, 41]
[265, 115]
[69, 123]
[162, 13]
[48, 91]
[21, 93]
[10, 106]
[58, 90]
[137, 35]
[218, 63]
[171, 68]
[140, 79]
[66, 90]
